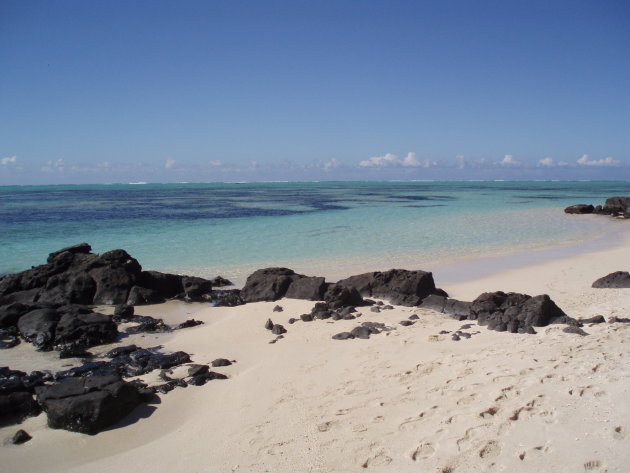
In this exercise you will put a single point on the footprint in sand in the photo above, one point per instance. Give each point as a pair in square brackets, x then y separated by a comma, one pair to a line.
[378, 458]
[594, 466]
[325, 426]
[466, 400]
[423, 451]
[490, 450]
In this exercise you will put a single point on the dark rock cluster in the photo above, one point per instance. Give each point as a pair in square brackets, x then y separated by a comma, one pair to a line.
[74, 275]
[516, 313]
[93, 396]
[614, 206]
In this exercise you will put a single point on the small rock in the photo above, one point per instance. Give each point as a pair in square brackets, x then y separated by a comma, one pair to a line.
[612, 320]
[277, 309]
[278, 329]
[444, 332]
[343, 336]
[21, 436]
[455, 337]
[375, 308]
[189, 323]
[269, 324]
[221, 362]
[575, 330]
[195, 370]
[414, 317]
[406, 323]
[306, 317]
[465, 327]
[292, 320]
[596, 319]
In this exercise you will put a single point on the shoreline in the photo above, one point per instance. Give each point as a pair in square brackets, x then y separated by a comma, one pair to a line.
[405, 400]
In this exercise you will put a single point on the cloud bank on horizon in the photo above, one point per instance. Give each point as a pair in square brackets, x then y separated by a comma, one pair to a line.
[386, 166]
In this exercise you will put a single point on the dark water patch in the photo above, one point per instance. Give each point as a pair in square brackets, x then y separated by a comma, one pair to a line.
[419, 206]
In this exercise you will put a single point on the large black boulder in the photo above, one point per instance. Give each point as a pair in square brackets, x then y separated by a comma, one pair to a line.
[616, 280]
[399, 286]
[11, 313]
[617, 206]
[84, 328]
[580, 209]
[17, 406]
[307, 288]
[38, 327]
[516, 312]
[268, 284]
[339, 295]
[196, 289]
[87, 405]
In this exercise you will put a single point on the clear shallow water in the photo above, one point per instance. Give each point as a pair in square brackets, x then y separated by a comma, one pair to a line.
[329, 228]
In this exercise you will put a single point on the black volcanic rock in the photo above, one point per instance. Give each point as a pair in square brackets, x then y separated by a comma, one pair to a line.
[17, 406]
[73, 275]
[617, 206]
[271, 284]
[580, 209]
[268, 284]
[516, 312]
[307, 288]
[399, 286]
[87, 405]
[616, 280]
[38, 327]
[339, 295]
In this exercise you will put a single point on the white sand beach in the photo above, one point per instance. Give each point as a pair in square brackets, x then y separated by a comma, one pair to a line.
[406, 400]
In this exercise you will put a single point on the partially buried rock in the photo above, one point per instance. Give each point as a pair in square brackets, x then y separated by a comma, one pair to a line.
[221, 362]
[122, 312]
[575, 330]
[343, 336]
[20, 437]
[580, 209]
[189, 323]
[269, 324]
[406, 323]
[596, 319]
[616, 280]
[87, 405]
[277, 308]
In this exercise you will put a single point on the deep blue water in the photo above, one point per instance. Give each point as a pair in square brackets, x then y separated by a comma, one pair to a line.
[324, 228]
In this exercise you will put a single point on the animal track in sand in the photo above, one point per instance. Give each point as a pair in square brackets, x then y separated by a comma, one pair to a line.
[508, 393]
[423, 451]
[490, 450]
[583, 390]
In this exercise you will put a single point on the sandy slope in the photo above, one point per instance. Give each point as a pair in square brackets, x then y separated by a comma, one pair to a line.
[408, 400]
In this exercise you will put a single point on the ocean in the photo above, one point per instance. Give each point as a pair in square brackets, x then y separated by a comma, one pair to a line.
[319, 228]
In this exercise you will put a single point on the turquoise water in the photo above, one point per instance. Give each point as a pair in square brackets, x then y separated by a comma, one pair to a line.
[328, 228]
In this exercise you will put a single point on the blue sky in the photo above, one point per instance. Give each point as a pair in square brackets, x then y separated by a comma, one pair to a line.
[168, 91]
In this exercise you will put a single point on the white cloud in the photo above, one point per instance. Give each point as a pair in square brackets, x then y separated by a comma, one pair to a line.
[461, 161]
[392, 160]
[381, 161]
[8, 160]
[169, 163]
[216, 163]
[547, 162]
[332, 164]
[609, 161]
[411, 160]
[52, 166]
[508, 160]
